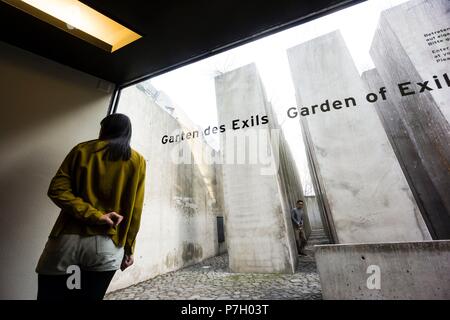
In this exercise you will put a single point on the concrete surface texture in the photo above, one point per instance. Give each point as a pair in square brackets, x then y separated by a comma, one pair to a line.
[427, 197]
[47, 109]
[421, 30]
[179, 220]
[257, 205]
[404, 50]
[367, 193]
[409, 270]
[314, 214]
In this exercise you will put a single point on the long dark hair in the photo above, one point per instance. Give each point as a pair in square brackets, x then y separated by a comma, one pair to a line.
[116, 128]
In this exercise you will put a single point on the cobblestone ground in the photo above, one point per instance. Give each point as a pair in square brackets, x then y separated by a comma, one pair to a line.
[212, 280]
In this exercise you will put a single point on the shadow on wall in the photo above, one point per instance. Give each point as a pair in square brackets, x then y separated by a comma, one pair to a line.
[47, 109]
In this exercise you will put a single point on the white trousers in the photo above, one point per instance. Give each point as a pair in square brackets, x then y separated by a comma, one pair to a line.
[90, 253]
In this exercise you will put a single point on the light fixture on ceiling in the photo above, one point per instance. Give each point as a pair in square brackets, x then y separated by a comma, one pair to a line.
[79, 20]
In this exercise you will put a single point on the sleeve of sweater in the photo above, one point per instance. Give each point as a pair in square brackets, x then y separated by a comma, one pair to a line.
[61, 193]
[137, 211]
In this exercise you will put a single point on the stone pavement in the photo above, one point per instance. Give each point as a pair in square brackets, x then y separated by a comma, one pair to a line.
[211, 280]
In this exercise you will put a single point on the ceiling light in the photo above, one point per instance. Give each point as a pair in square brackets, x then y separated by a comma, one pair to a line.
[79, 20]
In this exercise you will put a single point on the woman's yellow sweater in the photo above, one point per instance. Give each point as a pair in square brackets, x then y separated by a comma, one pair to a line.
[86, 186]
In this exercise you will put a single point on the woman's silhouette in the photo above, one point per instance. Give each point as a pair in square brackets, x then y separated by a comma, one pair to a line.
[100, 190]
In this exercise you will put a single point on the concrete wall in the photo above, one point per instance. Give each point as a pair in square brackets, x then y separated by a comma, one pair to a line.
[368, 196]
[414, 270]
[47, 109]
[314, 214]
[179, 224]
[320, 194]
[290, 187]
[257, 199]
[402, 54]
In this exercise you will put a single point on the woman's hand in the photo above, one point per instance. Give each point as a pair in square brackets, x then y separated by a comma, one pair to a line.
[127, 261]
[112, 219]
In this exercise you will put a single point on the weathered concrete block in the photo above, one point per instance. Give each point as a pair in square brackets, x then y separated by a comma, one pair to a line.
[409, 270]
[257, 204]
[427, 197]
[367, 195]
[405, 47]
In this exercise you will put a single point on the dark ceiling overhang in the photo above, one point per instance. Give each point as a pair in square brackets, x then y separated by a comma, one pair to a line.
[174, 32]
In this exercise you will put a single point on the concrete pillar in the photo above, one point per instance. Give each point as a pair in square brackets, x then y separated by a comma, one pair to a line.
[367, 195]
[410, 45]
[427, 197]
[257, 197]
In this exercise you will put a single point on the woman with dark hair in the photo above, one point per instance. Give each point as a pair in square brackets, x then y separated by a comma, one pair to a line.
[100, 190]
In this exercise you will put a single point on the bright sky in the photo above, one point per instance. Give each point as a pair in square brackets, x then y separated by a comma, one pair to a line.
[192, 87]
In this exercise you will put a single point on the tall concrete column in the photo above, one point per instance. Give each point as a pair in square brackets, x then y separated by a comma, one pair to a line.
[410, 46]
[427, 197]
[367, 195]
[257, 198]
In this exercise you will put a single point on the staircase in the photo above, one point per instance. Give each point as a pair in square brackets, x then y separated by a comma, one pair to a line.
[317, 237]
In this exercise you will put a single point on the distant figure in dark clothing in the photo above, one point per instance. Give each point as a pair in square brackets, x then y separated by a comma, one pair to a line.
[297, 220]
